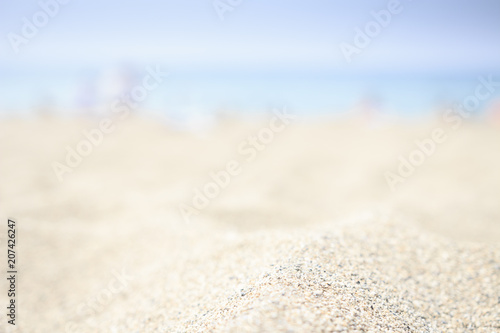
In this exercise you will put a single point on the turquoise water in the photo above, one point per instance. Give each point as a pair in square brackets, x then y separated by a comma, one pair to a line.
[210, 91]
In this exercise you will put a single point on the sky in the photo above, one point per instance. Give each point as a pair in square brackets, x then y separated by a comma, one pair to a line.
[434, 35]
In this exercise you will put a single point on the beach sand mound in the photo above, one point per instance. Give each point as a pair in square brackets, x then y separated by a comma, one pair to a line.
[374, 277]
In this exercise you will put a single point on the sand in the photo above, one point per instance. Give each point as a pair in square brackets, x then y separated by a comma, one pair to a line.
[307, 238]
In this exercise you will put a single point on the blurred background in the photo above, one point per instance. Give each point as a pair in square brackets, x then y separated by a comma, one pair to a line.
[90, 202]
[244, 56]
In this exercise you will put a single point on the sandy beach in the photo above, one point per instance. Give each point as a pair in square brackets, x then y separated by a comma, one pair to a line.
[300, 233]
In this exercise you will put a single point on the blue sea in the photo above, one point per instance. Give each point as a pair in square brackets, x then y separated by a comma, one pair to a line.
[23, 91]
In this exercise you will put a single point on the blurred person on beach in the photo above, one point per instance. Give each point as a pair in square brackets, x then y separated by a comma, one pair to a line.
[493, 112]
[369, 110]
[116, 84]
[87, 99]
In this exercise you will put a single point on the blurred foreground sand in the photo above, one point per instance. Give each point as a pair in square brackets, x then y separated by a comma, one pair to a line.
[308, 238]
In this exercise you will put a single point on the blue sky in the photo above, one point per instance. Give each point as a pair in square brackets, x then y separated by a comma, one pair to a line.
[426, 35]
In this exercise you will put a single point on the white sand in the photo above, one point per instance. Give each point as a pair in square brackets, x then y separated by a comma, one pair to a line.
[308, 238]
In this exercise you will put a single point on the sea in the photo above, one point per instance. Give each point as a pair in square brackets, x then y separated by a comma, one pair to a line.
[182, 92]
